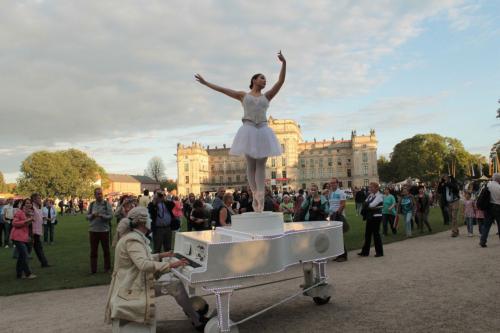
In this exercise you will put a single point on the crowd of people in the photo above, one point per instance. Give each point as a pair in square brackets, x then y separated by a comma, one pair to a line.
[28, 223]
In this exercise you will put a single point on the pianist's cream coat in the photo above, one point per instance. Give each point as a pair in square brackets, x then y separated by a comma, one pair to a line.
[131, 293]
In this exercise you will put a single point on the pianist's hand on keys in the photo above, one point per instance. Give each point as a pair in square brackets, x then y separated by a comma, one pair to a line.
[178, 263]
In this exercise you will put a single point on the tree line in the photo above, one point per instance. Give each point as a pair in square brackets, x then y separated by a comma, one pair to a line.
[427, 157]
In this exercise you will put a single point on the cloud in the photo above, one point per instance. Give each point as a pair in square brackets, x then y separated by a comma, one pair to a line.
[88, 72]
[383, 114]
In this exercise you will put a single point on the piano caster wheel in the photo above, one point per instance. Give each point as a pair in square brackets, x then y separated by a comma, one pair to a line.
[321, 300]
[213, 327]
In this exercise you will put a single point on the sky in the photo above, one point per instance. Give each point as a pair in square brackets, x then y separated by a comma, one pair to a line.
[115, 78]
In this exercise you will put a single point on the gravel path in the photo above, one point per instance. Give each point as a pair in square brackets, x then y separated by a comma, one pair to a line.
[432, 283]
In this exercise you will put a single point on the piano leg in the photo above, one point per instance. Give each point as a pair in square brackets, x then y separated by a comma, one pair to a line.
[222, 298]
[315, 274]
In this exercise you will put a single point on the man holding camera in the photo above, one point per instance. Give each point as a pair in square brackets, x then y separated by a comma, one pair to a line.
[99, 215]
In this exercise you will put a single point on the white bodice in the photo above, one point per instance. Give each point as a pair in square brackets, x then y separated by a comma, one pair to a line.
[254, 108]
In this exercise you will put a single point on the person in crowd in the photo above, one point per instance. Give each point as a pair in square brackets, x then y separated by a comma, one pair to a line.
[468, 212]
[269, 201]
[359, 199]
[225, 211]
[8, 217]
[218, 202]
[61, 207]
[336, 203]
[449, 191]
[423, 203]
[326, 191]
[2, 225]
[49, 221]
[177, 210]
[145, 199]
[134, 271]
[80, 205]
[187, 208]
[479, 216]
[311, 205]
[373, 215]
[163, 223]
[318, 210]
[198, 217]
[37, 229]
[297, 206]
[19, 235]
[389, 211]
[286, 207]
[99, 216]
[246, 202]
[493, 212]
[407, 208]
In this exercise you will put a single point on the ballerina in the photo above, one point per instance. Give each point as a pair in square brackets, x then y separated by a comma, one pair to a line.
[254, 139]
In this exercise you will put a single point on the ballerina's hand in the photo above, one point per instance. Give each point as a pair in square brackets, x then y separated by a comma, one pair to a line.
[200, 79]
[281, 57]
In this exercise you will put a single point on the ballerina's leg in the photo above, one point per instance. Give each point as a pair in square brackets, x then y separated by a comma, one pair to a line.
[251, 166]
[260, 176]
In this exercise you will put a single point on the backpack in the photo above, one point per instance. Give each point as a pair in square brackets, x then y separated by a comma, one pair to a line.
[484, 198]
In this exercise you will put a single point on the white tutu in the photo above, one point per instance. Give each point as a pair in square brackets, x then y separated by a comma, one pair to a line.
[255, 141]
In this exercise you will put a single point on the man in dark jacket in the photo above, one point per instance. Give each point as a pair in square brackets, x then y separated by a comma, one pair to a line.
[163, 222]
[449, 193]
[359, 199]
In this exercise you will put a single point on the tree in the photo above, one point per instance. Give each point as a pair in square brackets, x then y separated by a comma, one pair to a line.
[155, 169]
[61, 173]
[3, 185]
[427, 156]
[169, 184]
[385, 171]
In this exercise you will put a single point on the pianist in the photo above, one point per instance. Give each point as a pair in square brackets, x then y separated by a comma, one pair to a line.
[133, 289]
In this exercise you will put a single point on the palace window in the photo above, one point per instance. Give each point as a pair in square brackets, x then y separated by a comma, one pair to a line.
[365, 183]
[339, 161]
[283, 161]
[273, 174]
[283, 147]
[187, 179]
[283, 174]
[365, 157]
[302, 163]
[365, 169]
[186, 166]
[349, 173]
[273, 162]
[330, 161]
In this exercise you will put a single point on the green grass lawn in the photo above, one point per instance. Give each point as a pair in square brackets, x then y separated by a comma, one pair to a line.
[69, 255]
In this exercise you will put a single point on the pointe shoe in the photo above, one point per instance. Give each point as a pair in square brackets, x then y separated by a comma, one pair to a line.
[255, 205]
[259, 198]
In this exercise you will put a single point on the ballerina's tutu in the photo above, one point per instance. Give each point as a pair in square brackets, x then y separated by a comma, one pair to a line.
[256, 141]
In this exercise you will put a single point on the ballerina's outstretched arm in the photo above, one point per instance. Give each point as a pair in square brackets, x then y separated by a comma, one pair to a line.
[229, 92]
[277, 86]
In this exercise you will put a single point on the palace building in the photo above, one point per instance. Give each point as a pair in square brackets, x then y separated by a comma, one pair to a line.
[354, 162]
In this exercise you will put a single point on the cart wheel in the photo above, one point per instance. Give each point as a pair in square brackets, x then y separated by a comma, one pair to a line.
[321, 300]
[213, 327]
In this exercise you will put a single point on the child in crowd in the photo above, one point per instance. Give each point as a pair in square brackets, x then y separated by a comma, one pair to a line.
[479, 215]
[469, 214]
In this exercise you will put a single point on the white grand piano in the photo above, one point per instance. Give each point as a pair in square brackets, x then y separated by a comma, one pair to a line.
[254, 247]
